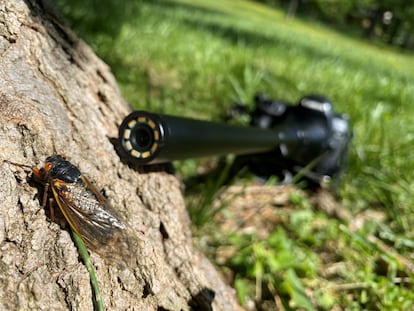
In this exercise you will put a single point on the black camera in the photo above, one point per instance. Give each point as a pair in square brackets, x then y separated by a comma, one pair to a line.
[308, 139]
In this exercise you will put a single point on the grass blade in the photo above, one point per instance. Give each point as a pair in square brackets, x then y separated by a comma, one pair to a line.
[83, 252]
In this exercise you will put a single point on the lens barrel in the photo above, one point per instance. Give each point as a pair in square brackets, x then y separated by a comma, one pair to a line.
[155, 138]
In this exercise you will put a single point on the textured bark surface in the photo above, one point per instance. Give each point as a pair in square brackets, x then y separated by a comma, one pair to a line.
[56, 95]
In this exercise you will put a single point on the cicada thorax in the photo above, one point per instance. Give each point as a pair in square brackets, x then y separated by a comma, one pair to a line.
[57, 167]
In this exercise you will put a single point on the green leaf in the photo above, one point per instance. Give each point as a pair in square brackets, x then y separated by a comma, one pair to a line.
[242, 289]
[295, 289]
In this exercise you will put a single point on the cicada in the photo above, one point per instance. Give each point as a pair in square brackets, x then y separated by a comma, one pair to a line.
[86, 210]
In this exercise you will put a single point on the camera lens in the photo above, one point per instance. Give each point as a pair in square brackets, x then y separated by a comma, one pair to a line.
[142, 137]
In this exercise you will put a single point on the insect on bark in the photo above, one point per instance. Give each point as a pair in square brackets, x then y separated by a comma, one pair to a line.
[86, 210]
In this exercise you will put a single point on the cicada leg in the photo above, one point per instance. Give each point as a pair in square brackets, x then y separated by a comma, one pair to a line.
[51, 210]
[41, 175]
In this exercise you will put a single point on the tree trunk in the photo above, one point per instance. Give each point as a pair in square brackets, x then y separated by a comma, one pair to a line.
[57, 96]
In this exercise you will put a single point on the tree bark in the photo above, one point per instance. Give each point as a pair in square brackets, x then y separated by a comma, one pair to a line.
[57, 96]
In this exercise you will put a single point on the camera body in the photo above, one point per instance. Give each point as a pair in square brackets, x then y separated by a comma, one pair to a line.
[313, 139]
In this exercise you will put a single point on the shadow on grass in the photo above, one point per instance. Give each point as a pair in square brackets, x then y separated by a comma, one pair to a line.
[91, 18]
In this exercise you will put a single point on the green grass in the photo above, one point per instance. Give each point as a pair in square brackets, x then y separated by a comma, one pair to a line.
[195, 57]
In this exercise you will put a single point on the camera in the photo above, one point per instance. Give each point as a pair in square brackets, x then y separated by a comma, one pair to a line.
[308, 138]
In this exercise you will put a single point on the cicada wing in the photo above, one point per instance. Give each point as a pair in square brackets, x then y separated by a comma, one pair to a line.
[90, 216]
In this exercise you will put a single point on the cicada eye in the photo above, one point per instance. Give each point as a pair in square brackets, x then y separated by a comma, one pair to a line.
[48, 166]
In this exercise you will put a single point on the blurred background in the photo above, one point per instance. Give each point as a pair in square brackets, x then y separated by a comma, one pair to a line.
[282, 248]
